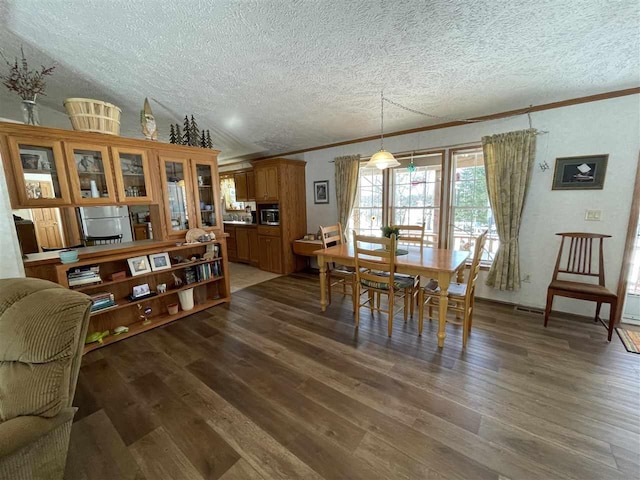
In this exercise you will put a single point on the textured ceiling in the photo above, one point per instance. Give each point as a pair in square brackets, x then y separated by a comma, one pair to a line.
[270, 76]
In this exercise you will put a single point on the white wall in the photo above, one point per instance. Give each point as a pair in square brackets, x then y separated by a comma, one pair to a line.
[608, 126]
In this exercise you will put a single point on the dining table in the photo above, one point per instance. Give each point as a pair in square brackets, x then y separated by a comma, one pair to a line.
[440, 264]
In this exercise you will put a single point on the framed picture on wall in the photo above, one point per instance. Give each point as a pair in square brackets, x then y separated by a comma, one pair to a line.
[321, 191]
[580, 173]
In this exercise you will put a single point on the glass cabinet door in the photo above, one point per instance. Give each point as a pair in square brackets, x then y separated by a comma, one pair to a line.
[39, 172]
[207, 188]
[90, 174]
[177, 188]
[132, 172]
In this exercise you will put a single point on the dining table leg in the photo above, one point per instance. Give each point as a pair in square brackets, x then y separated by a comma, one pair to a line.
[443, 281]
[323, 282]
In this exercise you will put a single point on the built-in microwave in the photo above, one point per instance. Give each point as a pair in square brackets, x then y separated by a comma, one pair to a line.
[270, 216]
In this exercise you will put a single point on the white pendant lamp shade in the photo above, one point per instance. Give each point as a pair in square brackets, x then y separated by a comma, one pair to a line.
[382, 160]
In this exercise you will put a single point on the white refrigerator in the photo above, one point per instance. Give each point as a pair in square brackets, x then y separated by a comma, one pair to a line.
[106, 221]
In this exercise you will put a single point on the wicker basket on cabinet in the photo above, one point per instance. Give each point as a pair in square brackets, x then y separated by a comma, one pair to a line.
[90, 115]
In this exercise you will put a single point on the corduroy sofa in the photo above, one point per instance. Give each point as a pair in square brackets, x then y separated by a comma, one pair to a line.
[42, 331]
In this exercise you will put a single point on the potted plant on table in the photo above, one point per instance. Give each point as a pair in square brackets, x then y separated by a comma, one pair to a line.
[26, 83]
[387, 231]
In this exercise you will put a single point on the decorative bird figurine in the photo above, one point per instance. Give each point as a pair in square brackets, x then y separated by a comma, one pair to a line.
[149, 128]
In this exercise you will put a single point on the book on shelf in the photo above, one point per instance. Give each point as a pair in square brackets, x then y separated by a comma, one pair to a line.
[84, 275]
[102, 300]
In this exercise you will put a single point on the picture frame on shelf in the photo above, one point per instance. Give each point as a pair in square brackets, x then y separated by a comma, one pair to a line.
[586, 172]
[159, 261]
[139, 265]
[141, 290]
[321, 191]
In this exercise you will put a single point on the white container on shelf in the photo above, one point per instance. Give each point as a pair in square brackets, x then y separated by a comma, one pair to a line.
[186, 299]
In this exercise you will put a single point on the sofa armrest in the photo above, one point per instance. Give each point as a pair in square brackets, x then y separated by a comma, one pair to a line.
[21, 431]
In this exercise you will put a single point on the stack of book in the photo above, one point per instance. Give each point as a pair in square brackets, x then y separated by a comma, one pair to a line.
[102, 300]
[84, 275]
[205, 271]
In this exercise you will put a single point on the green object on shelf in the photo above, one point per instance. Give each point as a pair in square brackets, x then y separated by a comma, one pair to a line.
[96, 337]
[119, 330]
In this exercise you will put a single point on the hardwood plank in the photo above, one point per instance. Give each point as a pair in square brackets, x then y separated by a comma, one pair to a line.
[200, 444]
[161, 459]
[97, 452]
[241, 470]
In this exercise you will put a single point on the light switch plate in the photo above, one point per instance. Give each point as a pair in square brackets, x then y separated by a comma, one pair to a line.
[593, 215]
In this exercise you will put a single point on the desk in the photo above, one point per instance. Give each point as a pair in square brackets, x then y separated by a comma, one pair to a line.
[435, 263]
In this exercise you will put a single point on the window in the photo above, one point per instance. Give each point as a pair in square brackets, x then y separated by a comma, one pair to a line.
[366, 217]
[470, 210]
[415, 196]
[397, 196]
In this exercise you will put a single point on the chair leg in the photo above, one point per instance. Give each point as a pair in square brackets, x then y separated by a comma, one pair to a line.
[420, 311]
[353, 293]
[430, 311]
[378, 300]
[328, 286]
[471, 308]
[412, 302]
[465, 327]
[598, 306]
[391, 304]
[370, 294]
[356, 303]
[406, 305]
[547, 309]
[612, 317]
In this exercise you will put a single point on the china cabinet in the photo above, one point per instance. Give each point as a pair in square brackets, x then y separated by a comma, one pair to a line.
[90, 173]
[132, 175]
[176, 184]
[39, 176]
[206, 189]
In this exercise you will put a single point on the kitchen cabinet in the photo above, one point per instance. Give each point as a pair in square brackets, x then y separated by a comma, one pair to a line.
[232, 246]
[254, 247]
[90, 174]
[36, 172]
[266, 182]
[240, 180]
[243, 245]
[270, 256]
[140, 231]
[132, 175]
[251, 185]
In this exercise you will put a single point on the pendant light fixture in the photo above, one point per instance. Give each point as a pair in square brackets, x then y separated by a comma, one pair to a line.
[382, 159]
[412, 166]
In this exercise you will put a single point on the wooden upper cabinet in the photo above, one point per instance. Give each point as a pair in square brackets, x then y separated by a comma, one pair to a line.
[176, 179]
[251, 185]
[90, 174]
[132, 175]
[207, 191]
[36, 173]
[240, 179]
[266, 183]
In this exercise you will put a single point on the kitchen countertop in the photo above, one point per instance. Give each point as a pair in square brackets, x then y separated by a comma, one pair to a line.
[238, 222]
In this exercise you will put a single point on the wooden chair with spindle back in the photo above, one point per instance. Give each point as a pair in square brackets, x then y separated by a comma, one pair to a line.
[461, 295]
[412, 235]
[580, 261]
[106, 240]
[330, 236]
[375, 260]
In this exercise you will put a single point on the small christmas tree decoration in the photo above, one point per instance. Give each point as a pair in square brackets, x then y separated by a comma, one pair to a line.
[186, 135]
[172, 134]
[209, 142]
[178, 135]
[194, 136]
[203, 140]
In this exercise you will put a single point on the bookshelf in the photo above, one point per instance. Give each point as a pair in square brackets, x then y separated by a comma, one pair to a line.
[207, 292]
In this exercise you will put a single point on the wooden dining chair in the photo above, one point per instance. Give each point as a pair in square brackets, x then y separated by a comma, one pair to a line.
[581, 258]
[375, 260]
[411, 235]
[106, 240]
[461, 296]
[337, 275]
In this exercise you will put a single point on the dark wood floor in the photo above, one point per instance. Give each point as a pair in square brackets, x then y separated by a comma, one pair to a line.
[271, 388]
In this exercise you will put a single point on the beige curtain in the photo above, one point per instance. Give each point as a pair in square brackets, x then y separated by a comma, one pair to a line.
[346, 186]
[508, 160]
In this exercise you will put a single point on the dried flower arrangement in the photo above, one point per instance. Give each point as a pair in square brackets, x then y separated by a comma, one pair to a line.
[25, 82]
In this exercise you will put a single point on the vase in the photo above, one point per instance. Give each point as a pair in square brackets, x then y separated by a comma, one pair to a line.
[186, 299]
[30, 112]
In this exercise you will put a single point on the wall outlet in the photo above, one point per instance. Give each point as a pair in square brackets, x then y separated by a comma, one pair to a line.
[526, 278]
[593, 215]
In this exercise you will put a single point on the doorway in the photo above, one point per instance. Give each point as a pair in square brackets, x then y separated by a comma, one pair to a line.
[47, 225]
